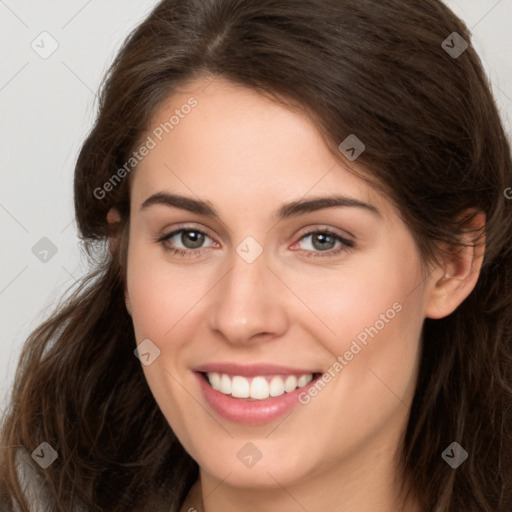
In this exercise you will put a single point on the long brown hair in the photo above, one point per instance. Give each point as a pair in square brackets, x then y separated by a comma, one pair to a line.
[434, 141]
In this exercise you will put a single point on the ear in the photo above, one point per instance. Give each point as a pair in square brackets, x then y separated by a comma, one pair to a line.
[113, 218]
[455, 278]
[127, 302]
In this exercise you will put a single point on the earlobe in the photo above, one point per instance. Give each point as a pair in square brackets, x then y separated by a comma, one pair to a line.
[113, 218]
[128, 304]
[455, 280]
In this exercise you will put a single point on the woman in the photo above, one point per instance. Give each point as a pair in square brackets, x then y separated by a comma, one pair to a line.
[301, 296]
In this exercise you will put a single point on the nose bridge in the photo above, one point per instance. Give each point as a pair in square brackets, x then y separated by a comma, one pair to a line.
[248, 300]
[245, 281]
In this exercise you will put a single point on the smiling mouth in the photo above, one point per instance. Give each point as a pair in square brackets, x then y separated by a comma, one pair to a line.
[257, 388]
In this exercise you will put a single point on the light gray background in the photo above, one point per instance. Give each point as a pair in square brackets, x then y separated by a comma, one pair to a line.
[47, 108]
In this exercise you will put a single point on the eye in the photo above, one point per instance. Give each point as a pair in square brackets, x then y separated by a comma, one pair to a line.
[323, 243]
[191, 239]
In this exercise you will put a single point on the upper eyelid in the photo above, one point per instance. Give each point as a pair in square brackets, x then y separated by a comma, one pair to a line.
[323, 228]
[178, 229]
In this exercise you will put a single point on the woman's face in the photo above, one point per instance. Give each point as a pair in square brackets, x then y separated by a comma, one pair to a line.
[260, 303]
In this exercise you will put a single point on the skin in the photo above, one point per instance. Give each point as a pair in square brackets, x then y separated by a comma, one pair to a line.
[247, 156]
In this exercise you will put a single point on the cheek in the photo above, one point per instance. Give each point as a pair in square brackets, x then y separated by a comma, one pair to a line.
[162, 297]
[160, 294]
[371, 319]
[369, 297]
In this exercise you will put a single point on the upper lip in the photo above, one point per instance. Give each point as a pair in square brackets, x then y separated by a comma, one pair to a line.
[252, 370]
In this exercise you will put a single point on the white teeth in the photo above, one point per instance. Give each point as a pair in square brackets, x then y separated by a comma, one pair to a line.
[303, 380]
[276, 386]
[215, 380]
[240, 387]
[290, 384]
[225, 385]
[258, 388]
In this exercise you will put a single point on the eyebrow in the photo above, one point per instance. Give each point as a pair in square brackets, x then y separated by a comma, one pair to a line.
[287, 210]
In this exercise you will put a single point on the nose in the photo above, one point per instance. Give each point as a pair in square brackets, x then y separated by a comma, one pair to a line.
[249, 303]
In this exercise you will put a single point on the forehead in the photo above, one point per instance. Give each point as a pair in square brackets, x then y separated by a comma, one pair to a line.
[224, 142]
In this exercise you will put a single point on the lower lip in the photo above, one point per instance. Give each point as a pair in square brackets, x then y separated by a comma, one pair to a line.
[250, 412]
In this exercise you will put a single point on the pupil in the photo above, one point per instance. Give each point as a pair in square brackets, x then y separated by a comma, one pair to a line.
[323, 238]
[197, 239]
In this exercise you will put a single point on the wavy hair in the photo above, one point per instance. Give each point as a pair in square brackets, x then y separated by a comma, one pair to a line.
[434, 142]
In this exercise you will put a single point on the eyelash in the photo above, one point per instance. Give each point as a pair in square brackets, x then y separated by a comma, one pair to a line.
[346, 245]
